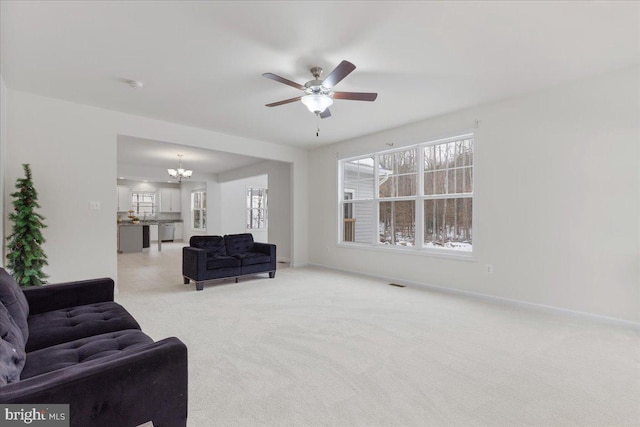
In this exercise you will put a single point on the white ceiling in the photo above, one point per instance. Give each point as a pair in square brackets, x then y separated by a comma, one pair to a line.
[201, 62]
[148, 160]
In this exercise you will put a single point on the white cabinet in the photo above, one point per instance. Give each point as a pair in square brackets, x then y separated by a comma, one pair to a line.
[170, 200]
[124, 198]
[153, 232]
[179, 234]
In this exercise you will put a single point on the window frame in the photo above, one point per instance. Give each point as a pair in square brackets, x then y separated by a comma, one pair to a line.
[249, 208]
[135, 205]
[203, 210]
[420, 247]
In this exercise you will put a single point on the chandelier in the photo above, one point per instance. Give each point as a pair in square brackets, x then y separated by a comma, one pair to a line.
[180, 173]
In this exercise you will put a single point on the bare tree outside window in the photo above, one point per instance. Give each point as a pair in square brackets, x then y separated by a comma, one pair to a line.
[385, 196]
[256, 208]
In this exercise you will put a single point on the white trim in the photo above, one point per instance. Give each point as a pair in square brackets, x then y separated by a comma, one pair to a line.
[493, 298]
[419, 198]
[411, 250]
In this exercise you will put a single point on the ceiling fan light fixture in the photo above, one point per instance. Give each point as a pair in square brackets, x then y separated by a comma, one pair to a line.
[317, 103]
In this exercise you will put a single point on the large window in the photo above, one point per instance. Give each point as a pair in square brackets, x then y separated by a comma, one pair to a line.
[256, 208]
[199, 209]
[143, 203]
[418, 197]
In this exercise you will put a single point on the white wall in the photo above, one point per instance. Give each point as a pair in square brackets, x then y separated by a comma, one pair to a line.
[54, 135]
[234, 206]
[557, 195]
[281, 213]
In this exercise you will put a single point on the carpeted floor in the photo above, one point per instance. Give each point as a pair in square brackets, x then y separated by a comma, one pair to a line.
[315, 347]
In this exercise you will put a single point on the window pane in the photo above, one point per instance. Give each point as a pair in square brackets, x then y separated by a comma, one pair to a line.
[256, 208]
[196, 219]
[406, 185]
[440, 185]
[429, 158]
[358, 221]
[447, 223]
[358, 177]
[429, 182]
[388, 187]
[397, 223]
[397, 173]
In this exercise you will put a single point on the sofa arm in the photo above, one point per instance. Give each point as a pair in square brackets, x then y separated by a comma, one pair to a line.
[194, 263]
[148, 384]
[267, 249]
[70, 294]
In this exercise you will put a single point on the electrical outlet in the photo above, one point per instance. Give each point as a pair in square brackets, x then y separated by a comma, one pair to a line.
[94, 206]
[489, 268]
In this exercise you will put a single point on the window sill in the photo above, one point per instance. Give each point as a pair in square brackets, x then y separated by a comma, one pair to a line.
[455, 255]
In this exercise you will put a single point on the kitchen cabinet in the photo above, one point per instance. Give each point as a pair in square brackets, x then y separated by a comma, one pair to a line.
[170, 200]
[153, 232]
[178, 233]
[124, 198]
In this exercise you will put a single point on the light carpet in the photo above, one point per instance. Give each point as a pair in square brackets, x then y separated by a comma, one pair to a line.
[314, 347]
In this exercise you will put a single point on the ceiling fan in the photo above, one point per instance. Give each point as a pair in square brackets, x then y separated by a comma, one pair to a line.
[319, 94]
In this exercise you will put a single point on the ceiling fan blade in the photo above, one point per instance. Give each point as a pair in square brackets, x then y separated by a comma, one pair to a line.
[286, 101]
[356, 96]
[326, 113]
[340, 72]
[283, 80]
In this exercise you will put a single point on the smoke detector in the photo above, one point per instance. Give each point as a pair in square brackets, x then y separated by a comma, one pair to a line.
[135, 84]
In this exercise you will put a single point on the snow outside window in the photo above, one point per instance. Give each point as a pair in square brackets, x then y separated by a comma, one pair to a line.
[417, 198]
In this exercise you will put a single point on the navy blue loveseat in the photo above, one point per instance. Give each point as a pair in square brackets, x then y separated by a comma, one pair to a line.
[71, 343]
[218, 257]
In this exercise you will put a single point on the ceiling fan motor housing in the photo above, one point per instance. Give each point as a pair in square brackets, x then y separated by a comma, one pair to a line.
[314, 87]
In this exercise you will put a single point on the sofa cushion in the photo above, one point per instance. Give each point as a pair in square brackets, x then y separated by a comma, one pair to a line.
[252, 258]
[222, 262]
[12, 354]
[84, 350]
[214, 245]
[238, 243]
[70, 324]
[12, 297]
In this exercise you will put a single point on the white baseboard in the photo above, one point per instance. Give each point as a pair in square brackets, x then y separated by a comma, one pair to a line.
[598, 317]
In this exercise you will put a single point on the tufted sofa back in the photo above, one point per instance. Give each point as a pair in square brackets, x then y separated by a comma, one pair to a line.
[238, 243]
[214, 245]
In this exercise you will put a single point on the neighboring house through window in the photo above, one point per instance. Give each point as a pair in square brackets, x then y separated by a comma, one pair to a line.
[418, 197]
[256, 208]
[199, 210]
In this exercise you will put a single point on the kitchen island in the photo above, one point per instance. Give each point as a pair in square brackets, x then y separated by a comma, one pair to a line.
[130, 238]
[136, 237]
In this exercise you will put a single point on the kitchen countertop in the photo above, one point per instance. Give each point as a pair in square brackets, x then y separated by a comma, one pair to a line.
[152, 222]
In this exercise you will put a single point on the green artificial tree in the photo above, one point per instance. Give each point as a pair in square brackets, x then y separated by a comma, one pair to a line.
[26, 257]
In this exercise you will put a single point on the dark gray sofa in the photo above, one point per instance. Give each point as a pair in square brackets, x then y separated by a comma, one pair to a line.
[218, 257]
[71, 343]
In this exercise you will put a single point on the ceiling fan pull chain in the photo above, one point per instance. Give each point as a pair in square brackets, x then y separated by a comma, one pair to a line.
[317, 126]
